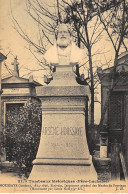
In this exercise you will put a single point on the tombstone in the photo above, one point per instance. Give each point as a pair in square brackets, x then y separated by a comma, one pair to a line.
[103, 145]
[63, 151]
[17, 91]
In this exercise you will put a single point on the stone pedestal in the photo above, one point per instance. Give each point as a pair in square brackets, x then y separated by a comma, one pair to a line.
[63, 151]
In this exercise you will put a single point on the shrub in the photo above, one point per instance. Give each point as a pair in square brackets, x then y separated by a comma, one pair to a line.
[22, 135]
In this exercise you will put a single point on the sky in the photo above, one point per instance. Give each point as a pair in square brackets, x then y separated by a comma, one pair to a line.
[12, 45]
[10, 41]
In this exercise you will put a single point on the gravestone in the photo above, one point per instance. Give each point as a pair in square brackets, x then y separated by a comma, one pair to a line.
[63, 151]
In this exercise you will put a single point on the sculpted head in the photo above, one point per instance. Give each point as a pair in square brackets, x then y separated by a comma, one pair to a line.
[63, 35]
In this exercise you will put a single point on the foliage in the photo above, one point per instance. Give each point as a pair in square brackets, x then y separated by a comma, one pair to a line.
[22, 135]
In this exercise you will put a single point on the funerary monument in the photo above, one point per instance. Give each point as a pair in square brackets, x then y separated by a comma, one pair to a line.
[63, 151]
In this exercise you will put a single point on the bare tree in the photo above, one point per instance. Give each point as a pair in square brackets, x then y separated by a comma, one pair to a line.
[85, 17]
[46, 19]
[115, 23]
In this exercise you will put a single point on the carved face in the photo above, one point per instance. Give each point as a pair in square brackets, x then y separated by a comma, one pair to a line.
[64, 37]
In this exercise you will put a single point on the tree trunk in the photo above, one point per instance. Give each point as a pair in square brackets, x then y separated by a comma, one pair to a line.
[92, 86]
[78, 35]
[91, 75]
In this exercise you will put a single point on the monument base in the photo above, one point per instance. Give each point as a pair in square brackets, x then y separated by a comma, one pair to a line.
[63, 169]
[63, 151]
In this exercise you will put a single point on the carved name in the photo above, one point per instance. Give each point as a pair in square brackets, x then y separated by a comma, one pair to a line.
[74, 131]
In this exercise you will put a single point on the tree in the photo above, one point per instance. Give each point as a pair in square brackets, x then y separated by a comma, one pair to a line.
[85, 17]
[46, 19]
[85, 23]
[115, 23]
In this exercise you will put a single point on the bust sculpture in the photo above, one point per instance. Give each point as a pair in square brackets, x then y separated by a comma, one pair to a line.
[64, 51]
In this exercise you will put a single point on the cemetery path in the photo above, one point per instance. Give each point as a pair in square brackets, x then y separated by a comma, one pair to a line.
[8, 177]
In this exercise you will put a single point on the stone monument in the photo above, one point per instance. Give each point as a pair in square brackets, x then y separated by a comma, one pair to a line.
[63, 151]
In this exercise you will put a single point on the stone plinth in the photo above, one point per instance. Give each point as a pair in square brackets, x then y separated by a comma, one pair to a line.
[63, 151]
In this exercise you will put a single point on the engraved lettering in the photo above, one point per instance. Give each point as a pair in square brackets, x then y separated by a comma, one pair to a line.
[50, 131]
[73, 131]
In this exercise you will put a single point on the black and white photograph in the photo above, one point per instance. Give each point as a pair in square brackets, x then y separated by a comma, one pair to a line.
[64, 96]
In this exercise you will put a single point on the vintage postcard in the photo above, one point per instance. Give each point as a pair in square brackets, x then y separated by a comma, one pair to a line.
[63, 96]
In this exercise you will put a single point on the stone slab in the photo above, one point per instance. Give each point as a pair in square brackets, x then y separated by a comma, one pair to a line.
[63, 172]
[62, 91]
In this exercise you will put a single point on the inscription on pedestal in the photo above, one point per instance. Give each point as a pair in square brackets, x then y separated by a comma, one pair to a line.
[62, 131]
[63, 151]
